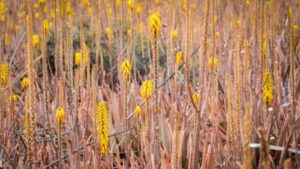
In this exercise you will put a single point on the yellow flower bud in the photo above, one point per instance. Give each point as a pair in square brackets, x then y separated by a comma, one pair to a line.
[147, 89]
[35, 40]
[77, 58]
[25, 83]
[137, 111]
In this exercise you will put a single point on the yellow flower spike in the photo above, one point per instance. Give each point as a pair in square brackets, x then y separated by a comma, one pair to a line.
[85, 3]
[129, 32]
[245, 43]
[102, 128]
[126, 69]
[178, 58]
[45, 10]
[25, 83]
[137, 111]
[196, 98]
[157, 2]
[13, 98]
[215, 18]
[4, 74]
[184, 5]
[60, 116]
[69, 11]
[147, 89]
[52, 13]
[78, 57]
[267, 87]
[155, 23]
[130, 4]
[110, 11]
[247, 2]
[108, 32]
[138, 9]
[35, 40]
[46, 26]
[37, 16]
[90, 10]
[35, 6]
[217, 34]
[295, 28]
[174, 34]
[42, 1]
[290, 13]
[6, 39]
[213, 62]
[118, 3]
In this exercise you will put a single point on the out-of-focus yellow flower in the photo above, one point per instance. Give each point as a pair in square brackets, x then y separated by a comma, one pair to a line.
[290, 13]
[137, 111]
[295, 28]
[45, 10]
[155, 23]
[42, 1]
[245, 43]
[46, 26]
[147, 89]
[213, 62]
[108, 32]
[118, 3]
[90, 10]
[129, 32]
[85, 3]
[110, 11]
[247, 2]
[78, 57]
[37, 16]
[215, 19]
[157, 2]
[178, 58]
[35, 40]
[52, 13]
[25, 83]
[6, 39]
[69, 11]
[13, 98]
[60, 116]
[174, 34]
[267, 87]
[126, 69]
[130, 4]
[217, 34]
[35, 6]
[4, 74]
[138, 9]
[196, 98]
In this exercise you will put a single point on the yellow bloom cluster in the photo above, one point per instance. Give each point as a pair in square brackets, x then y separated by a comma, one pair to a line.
[155, 23]
[25, 83]
[267, 87]
[137, 111]
[178, 59]
[60, 116]
[130, 4]
[196, 98]
[126, 69]
[77, 58]
[35, 40]
[174, 34]
[212, 62]
[4, 73]
[139, 9]
[147, 89]
[102, 128]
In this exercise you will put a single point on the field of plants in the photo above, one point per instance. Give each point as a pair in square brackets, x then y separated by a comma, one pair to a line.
[170, 84]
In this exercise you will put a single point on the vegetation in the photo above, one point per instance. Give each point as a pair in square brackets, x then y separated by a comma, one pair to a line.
[149, 84]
